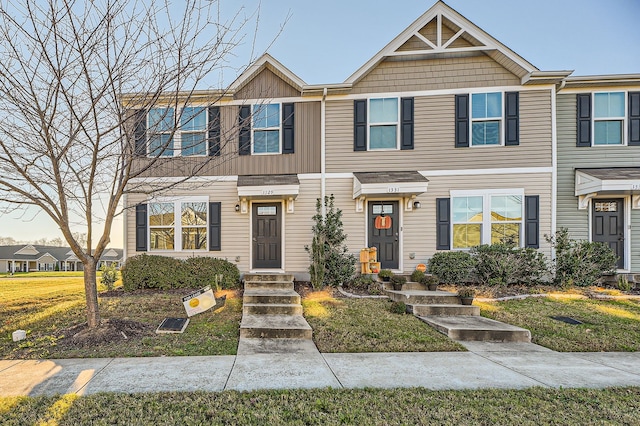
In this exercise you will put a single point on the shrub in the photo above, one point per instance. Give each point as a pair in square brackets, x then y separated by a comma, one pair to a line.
[503, 264]
[417, 276]
[398, 281]
[398, 308]
[109, 276]
[580, 263]
[385, 273]
[452, 267]
[363, 283]
[161, 272]
[623, 283]
[467, 292]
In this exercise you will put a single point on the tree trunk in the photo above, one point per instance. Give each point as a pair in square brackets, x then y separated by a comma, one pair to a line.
[91, 293]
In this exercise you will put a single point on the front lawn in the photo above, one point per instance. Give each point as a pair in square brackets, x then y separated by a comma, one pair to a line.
[608, 325]
[367, 325]
[411, 406]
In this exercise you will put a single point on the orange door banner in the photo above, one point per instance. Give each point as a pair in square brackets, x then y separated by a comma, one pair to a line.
[382, 222]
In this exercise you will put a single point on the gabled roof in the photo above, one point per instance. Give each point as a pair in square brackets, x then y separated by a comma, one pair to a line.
[442, 31]
[269, 62]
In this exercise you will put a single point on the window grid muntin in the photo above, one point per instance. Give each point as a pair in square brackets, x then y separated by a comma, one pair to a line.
[482, 116]
[507, 221]
[383, 124]
[272, 125]
[618, 120]
[468, 220]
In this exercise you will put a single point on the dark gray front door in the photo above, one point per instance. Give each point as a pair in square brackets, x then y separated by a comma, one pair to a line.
[267, 243]
[608, 225]
[384, 225]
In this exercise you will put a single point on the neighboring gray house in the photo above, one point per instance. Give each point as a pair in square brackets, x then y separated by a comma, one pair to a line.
[30, 258]
[598, 128]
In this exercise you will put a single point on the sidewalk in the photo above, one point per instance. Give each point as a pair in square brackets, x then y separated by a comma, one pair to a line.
[486, 365]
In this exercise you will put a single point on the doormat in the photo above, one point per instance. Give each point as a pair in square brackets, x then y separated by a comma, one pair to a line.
[172, 325]
[568, 320]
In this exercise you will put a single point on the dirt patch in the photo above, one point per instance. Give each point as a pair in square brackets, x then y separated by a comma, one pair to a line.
[109, 331]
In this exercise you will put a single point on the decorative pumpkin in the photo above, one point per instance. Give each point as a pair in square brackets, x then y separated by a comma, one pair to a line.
[382, 222]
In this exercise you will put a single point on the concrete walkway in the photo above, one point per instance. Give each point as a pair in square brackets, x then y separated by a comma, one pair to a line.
[486, 365]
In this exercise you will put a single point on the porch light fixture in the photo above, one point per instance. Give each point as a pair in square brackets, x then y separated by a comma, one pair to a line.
[237, 207]
[416, 204]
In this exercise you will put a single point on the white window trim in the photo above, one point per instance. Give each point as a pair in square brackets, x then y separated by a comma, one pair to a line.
[485, 237]
[279, 129]
[390, 123]
[501, 119]
[623, 118]
[177, 213]
[177, 135]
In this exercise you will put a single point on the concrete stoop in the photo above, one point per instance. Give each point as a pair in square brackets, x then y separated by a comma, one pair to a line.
[272, 309]
[476, 328]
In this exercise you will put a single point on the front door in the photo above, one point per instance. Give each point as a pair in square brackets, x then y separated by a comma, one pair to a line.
[267, 243]
[384, 225]
[608, 225]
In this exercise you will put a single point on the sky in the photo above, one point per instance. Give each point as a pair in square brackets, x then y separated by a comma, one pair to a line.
[326, 41]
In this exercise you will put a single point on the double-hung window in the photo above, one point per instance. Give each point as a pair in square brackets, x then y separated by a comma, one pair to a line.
[178, 225]
[486, 217]
[161, 123]
[608, 118]
[486, 119]
[383, 123]
[193, 131]
[266, 129]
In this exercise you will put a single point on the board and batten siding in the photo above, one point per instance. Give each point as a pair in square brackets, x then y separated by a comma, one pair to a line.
[571, 157]
[435, 74]
[418, 235]
[266, 85]
[305, 159]
[434, 139]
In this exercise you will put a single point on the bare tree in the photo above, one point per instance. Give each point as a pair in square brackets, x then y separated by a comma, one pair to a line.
[66, 137]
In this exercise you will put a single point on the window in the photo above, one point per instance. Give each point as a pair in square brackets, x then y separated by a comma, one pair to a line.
[608, 118]
[167, 231]
[483, 217]
[187, 139]
[266, 129]
[193, 127]
[160, 125]
[486, 118]
[383, 123]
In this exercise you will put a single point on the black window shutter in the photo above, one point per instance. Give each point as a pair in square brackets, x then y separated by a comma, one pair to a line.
[512, 117]
[244, 124]
[462, 121]
[140, 132]
[584, 119]
[443, 224]
[215, 227]
[532, 221]
[360, 125]
[141, 227]
[406, 133]
[214, 131]
[288, 115]
[634, 118]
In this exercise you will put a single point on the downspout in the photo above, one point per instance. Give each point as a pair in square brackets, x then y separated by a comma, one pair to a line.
[554, 164]
[124, 229]
[323, 159]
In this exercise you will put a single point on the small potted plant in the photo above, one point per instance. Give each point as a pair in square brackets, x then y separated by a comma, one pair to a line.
[466, 295]
[417, 276]
[398, 281]
[431, 281]
[385, 274]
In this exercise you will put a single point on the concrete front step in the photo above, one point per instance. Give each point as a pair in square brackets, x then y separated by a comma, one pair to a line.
[268, 277]
[271, 296]
[443, 309]
[476, 328]
[272, 309]
[270, 285]
[424, 297]
[275, 327]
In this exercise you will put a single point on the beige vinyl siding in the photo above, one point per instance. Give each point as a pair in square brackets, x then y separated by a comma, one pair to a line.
[570, 157]
[418, 235]
[305, 159]
[266, 85]
[434, 139]
[298, 227]
[395, 75]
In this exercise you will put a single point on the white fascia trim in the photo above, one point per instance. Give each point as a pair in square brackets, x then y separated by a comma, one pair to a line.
[500, 171]
[600, 88]
[194, 179]
[268, 190]
[180, 198]
[270, 101]
[391, 189]
[476, 192]
[310, 176]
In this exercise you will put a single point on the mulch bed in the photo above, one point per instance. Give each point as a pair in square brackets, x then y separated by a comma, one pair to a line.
[109, 331]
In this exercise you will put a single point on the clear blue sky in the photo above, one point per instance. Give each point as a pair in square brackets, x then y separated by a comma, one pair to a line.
[326, 41]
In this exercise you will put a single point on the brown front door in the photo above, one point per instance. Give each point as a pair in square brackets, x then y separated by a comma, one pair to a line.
[384, 225]
[608, 225]
[267, 242]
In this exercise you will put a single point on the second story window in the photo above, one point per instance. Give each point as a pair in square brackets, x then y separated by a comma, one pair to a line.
[608, 118]
[383, 123]
[193, 127]
[486, 118]
[266, 129]
[183, 134]
[161, 122]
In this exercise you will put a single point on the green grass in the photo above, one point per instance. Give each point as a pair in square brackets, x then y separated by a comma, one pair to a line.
[43, 274]
[42, 307]
[367, 325]
[608, 325]
[534, 406]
